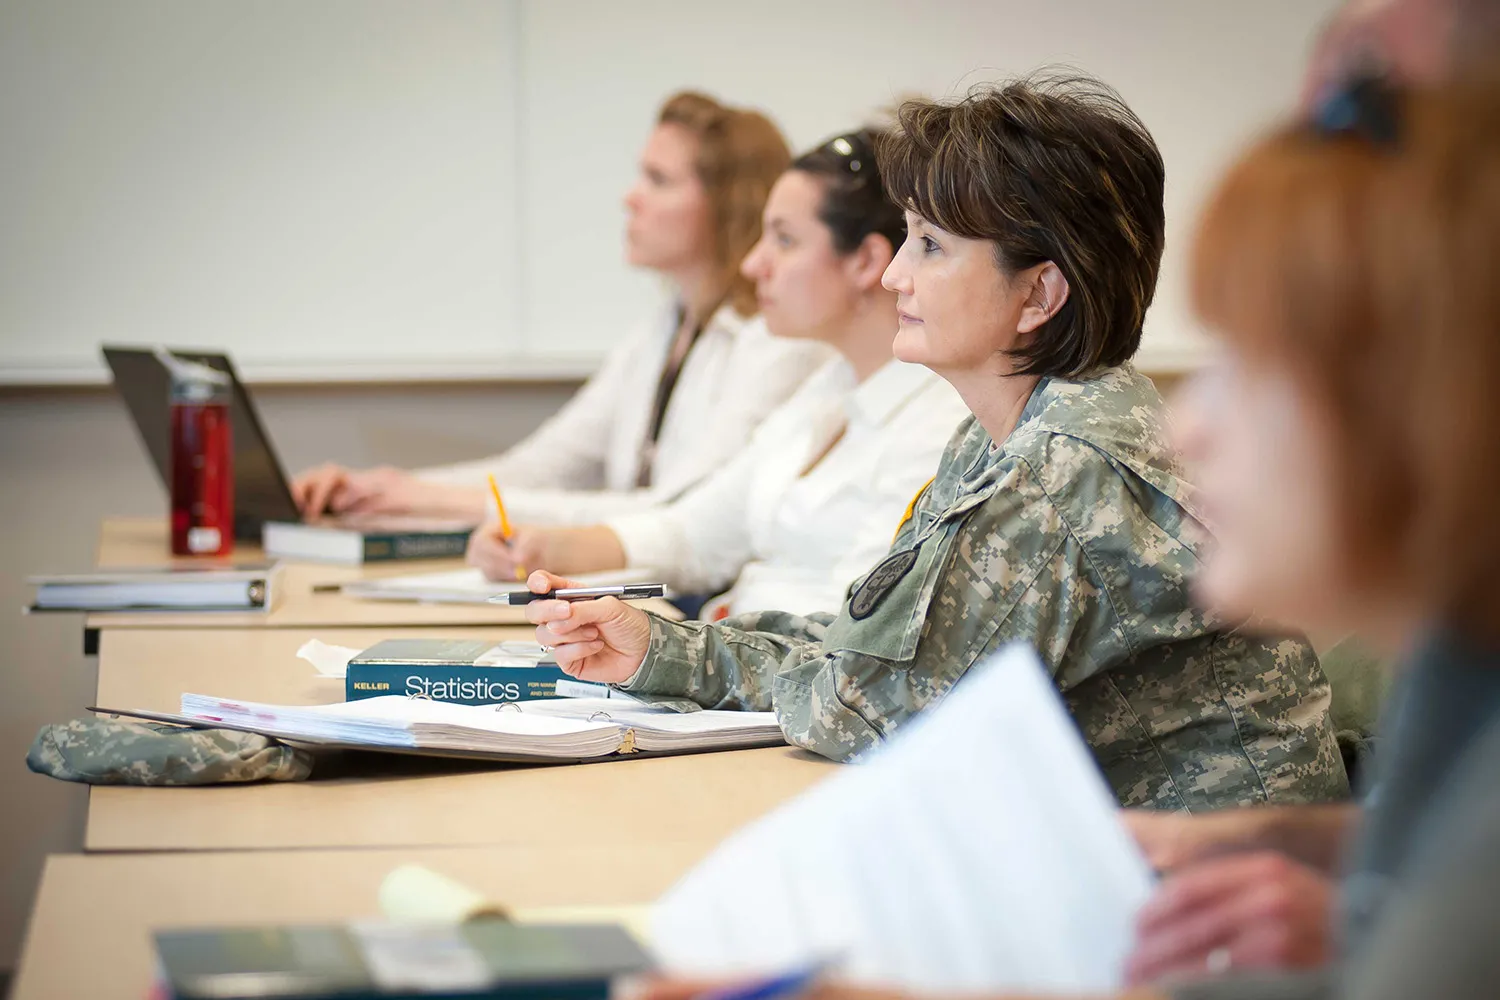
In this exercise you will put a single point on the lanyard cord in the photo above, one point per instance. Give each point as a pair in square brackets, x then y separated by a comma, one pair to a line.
[664, 388]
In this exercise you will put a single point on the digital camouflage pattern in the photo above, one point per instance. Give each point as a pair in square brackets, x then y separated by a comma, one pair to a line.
[99, 751]
[1077, 537]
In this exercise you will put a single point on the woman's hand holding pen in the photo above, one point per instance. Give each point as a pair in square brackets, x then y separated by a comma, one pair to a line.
[503, 559]
[558, 550]
[603, 641]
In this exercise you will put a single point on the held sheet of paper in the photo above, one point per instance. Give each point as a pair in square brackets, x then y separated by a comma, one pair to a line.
[978, 850]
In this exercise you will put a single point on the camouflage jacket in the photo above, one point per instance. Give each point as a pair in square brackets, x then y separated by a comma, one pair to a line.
[1075, 536]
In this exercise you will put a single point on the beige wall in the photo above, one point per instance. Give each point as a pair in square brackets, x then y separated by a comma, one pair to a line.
[69, 458]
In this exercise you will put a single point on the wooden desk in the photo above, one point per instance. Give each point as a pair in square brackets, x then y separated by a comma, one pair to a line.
[89, 934]
[698, 799]
[142, 543]
[138, 543]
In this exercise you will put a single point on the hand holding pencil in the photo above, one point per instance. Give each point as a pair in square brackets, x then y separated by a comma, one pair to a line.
[494, 548]
[505, 532]
[505, 553]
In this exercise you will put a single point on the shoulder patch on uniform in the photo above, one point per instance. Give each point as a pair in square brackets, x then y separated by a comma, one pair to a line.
[882, 578]
[911, 508]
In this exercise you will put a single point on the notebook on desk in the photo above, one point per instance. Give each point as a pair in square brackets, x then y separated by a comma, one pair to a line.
[355, 540]
[482, 959]
[532, 732]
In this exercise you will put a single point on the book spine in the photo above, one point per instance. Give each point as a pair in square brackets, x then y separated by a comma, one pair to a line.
[461, 684]
[386, 548]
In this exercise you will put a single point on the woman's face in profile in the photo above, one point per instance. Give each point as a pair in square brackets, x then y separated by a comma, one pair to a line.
[668, 227]
[958, 312]
[802, 285]
[1263, 463]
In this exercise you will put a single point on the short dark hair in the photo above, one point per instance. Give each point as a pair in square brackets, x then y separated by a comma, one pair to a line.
[1048, 168]
[855, 203]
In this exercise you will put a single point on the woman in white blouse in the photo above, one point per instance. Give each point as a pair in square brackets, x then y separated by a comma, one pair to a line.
[680, 394]
[815, 498]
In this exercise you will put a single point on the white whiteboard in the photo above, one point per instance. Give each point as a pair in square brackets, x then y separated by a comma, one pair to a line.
[309, 184]
[383, 188]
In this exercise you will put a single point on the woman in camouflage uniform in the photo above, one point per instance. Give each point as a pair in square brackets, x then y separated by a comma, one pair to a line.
[1058, 516]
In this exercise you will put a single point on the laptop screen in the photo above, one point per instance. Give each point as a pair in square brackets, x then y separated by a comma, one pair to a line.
[261, 493]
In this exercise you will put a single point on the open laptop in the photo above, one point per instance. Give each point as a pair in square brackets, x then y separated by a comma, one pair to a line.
[261, 492]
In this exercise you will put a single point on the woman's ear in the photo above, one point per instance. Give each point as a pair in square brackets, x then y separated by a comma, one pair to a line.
[866, 264]
[1048, 292]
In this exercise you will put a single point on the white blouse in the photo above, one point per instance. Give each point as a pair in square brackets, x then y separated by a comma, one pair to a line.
[792, 538]
[583, 463]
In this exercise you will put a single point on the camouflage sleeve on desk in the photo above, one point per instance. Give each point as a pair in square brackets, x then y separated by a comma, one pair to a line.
[110, 751]
[729, 664]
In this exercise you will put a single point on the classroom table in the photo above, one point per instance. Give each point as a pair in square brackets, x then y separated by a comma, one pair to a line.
[89, 933]
[402, 801]
[635, 803]
[142, 543]
[137, 543]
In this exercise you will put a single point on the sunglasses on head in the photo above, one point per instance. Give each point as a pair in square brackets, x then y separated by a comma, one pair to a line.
[852, 150]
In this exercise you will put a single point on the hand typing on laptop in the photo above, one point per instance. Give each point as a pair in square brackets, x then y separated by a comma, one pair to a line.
[334, 489]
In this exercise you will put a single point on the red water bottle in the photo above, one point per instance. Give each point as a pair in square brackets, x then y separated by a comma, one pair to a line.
[202, 459]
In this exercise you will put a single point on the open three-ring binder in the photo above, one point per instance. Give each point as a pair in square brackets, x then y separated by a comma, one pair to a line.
[544, 731]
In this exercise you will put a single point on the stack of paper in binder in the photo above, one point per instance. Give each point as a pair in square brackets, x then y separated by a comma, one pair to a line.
[566, 728]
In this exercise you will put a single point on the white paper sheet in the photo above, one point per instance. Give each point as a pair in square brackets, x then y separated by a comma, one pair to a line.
[979, 850]
[327, 659]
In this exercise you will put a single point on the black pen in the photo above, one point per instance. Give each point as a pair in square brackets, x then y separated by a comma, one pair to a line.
[632, 592]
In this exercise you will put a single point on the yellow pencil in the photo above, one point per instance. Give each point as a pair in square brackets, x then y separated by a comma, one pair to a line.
[505, 531]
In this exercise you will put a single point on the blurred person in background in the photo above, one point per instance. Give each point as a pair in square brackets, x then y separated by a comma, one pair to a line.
[679, 394]
[1257, 887]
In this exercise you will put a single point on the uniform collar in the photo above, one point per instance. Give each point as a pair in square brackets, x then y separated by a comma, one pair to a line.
[1115, 410]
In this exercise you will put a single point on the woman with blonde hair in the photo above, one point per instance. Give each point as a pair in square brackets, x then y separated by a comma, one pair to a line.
[680, 393]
